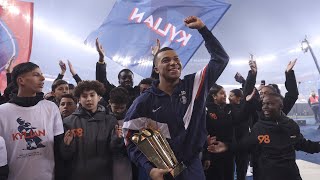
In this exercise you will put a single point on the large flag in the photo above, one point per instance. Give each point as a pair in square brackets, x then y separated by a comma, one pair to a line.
[133, 26]
[16, 19]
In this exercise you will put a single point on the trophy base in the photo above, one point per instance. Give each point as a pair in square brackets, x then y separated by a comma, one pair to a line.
[178, 169]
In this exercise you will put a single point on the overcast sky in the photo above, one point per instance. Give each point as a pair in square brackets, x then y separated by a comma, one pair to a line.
[271, 30]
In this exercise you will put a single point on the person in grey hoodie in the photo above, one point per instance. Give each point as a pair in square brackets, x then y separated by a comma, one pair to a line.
[89, 132]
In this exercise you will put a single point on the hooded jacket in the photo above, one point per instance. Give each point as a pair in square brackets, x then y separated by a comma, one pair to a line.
[275, 142]
[181, 116]
[90, 152]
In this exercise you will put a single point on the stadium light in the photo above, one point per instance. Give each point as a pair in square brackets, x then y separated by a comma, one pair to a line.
[305, 46]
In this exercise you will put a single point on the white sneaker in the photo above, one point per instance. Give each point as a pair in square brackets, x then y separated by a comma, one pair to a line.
[249, 171]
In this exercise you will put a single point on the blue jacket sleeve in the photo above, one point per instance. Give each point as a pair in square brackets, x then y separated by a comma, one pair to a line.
[218, 61]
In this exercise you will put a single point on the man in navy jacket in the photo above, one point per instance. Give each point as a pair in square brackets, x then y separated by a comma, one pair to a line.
[177, 107]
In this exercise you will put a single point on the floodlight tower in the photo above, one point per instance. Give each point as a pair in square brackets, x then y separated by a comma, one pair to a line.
[305, 46]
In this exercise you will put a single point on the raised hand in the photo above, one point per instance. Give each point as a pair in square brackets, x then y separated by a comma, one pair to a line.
[71, 68]
[291, 65]
[8, 66]
[100, 49]
[193, 22]
[157, 174]
[63, 67]
[253, 66]
[156, 48]
[68, 137]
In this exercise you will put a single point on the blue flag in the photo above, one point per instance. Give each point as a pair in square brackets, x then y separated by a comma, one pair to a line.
[133, 26]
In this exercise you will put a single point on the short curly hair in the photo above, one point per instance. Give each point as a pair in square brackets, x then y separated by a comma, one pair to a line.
[88, 86]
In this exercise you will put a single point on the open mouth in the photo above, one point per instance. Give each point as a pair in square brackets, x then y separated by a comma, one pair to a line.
[266, 113]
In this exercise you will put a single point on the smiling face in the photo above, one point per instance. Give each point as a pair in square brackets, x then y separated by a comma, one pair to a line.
[233, 99]
[126, 79]
[168, 65]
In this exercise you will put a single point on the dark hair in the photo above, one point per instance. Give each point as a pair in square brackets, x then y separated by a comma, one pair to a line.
[57, 83]
[21, 69]
[276, 95]
[161, 50]
[237, 92]
[276, 88]
[146, 81]
[124, 70]
[215, 89]
[119, 95]
[70, 96]
[155, 75]
[10, 90]
[71, 86]
[271, 87]
[87, 86]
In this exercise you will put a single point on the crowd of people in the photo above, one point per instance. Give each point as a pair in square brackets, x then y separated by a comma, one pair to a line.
[83, 131]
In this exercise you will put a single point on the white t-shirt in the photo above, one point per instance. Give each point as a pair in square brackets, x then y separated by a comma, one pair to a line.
[29, 135]
[3, 152]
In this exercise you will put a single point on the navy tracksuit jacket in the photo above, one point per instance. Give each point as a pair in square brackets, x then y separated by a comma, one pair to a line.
[185, 136]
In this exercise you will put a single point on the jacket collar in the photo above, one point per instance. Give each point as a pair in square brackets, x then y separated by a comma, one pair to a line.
[282, 119]
[156, 91]
[98, 115]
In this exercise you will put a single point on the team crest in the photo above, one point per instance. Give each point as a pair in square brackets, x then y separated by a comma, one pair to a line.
[183, 98]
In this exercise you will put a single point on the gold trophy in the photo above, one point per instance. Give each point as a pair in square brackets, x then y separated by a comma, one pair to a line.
[157, 149]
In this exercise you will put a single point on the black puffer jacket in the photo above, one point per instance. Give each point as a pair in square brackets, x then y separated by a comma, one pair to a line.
[90, 153]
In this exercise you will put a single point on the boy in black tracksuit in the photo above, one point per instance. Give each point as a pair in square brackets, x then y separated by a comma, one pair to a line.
[274, 138]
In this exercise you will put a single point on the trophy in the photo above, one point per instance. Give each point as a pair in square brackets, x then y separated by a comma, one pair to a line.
[157, 149]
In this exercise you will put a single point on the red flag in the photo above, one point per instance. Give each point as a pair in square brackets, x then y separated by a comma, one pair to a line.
[16, 27]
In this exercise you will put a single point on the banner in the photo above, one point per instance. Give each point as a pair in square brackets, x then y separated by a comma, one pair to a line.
[16, 19]
[133, 26]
